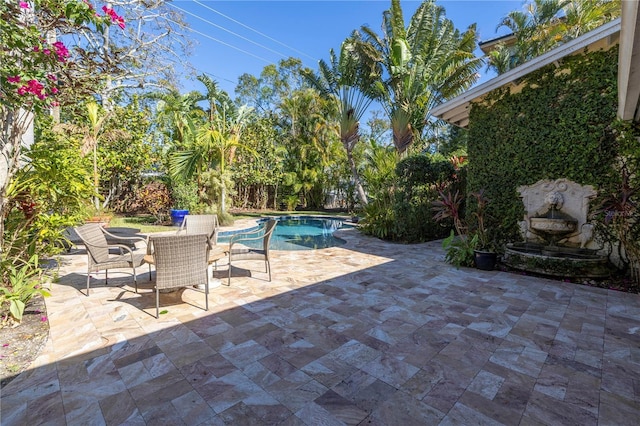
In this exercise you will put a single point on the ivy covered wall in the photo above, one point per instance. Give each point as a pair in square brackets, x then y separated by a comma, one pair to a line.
[557, 126]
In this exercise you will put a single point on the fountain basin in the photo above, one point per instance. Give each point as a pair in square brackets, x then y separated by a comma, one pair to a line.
[554, 226]
[556, 261]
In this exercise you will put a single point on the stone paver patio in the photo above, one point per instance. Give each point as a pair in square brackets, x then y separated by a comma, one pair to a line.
[369, 333]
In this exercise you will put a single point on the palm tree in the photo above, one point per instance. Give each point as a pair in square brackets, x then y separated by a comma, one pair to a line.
[426, 63]
[347, 80]
[215, 141]
[178, 113]
[543, 24]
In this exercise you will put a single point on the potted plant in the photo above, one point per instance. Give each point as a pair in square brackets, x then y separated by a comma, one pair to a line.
[465, 247]
[484, 255]
[459, 246]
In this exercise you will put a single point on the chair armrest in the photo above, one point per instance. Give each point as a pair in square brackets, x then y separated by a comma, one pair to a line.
[246, 235]
[123, 238]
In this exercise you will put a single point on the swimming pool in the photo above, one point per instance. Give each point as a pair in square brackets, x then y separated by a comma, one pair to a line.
[299, 233]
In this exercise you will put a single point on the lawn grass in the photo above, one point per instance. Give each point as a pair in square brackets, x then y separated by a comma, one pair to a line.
[143, 222]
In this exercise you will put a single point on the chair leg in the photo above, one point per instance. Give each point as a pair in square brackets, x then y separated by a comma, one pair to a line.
[149, 272]
[106, 277]
[206, 294]
[269, 269]
[229, 281]
[135, 278]
[157, 303]
[88, 280]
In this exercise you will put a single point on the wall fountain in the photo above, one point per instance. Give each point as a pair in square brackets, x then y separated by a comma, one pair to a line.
[558, 239]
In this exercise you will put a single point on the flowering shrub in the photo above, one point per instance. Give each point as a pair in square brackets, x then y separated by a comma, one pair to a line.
[30, 57]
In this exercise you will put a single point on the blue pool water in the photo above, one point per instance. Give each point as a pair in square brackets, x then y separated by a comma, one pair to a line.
[299, 233]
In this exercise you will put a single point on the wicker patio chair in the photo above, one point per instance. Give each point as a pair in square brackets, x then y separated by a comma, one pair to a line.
[201, 224]
[239, 251]
[180, 261]
[94, 239]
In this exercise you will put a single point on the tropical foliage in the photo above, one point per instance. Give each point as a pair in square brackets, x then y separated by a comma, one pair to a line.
[348, 80]
[424, 64]
[543, 24]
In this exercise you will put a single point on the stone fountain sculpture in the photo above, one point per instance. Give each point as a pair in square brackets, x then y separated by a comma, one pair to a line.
[556, 210]
[558, 239]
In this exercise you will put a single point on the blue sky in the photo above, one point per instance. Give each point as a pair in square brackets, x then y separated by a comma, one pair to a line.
[236, 37]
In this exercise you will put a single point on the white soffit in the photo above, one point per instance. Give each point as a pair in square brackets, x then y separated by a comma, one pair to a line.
[629, 63]
[456, 110]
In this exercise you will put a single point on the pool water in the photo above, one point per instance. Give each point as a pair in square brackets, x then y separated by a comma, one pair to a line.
[299, 233]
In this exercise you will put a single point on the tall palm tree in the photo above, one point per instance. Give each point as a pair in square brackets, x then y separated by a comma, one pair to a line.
[348, 80]
[425, 63]
[215, 141]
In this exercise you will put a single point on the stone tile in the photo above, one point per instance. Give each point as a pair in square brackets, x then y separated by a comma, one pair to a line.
[341, 408]
[402, 409]
[460, 414]
[546, 410]
[618, 410]
[117, 409]
[367, 333]
[192, 408]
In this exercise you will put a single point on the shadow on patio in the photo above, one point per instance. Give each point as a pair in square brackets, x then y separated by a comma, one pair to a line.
[366, 333]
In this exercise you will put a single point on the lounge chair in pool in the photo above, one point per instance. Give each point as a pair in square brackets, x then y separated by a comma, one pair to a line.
[94, 239]
[239, 251]
[180, 261]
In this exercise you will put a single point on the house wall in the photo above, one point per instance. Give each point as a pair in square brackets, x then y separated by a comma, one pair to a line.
[556, 126]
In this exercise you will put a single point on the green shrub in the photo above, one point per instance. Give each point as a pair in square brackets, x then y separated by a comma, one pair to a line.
[419, 179]
[24, 283]
[460, 249]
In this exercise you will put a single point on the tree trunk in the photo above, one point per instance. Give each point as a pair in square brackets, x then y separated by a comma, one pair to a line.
[356, 178]
[15, 125]
[223, 198]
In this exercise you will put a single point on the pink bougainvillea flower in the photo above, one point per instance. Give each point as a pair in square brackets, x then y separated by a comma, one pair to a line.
[22, 90]
[43, 319]
[14, 79]
[5, 345]
[24, 5]
[52, 77]
[36, 48]
[46, 51]
[61, 50]
[55, 104]
[54, 90]
[114, 16]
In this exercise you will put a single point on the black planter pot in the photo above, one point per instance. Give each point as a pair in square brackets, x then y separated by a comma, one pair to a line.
[485, 260]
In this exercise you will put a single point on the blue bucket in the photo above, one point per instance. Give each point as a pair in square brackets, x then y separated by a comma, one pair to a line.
[177, 216]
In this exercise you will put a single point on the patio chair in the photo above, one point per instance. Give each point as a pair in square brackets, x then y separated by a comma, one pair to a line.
[94, 239]
[240, 251]
[180, 261]
[201, 224]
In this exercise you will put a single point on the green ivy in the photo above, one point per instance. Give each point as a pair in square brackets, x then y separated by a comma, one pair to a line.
[557, 126]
